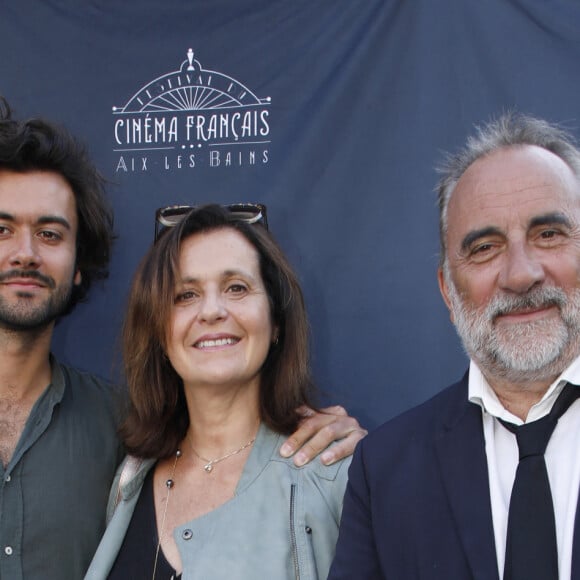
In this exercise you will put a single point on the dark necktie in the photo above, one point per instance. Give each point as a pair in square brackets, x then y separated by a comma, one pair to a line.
[531, 548]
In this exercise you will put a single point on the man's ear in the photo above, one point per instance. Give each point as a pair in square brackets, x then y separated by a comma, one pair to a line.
[78, 278]
[444, 291]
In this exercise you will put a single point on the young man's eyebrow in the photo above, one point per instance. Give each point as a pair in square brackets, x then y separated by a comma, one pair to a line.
[42, 220]
[53, 219]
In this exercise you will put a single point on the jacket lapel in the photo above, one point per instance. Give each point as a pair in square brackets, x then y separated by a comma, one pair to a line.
[576, 543]
[460, 450]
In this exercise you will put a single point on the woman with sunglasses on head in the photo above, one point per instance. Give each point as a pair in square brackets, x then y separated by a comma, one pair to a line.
[216, 361]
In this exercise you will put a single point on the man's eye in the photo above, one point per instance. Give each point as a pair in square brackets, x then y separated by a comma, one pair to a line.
[483, 251]
[481, 248]
[549, 234]
[49, 235]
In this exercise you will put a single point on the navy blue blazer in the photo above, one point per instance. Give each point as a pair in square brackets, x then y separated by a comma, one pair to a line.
[417, 505]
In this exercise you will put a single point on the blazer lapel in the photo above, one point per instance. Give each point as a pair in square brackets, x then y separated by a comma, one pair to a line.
[461, 454]
[576, 543]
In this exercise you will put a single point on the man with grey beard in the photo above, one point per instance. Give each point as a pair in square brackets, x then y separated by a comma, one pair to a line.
[449, 490]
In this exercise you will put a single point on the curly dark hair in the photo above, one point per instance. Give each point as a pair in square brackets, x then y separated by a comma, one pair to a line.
[39, 145]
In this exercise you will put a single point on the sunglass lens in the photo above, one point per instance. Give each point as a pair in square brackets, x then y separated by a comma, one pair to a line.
[171, 216]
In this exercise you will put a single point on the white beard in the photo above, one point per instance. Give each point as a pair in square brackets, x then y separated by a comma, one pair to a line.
[519, 352]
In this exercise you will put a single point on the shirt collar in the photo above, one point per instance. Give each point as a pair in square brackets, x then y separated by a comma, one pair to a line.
[57, 380]
[481, 393]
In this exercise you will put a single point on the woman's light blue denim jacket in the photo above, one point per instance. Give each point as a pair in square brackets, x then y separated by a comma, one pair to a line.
[281, 524]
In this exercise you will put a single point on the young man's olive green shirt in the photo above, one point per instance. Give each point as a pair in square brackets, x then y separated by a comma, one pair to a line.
[53, 493]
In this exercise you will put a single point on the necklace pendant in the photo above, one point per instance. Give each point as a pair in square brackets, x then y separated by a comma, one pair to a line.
[208, 467]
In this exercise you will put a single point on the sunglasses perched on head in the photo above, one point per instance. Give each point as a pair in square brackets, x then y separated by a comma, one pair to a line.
[170, 216]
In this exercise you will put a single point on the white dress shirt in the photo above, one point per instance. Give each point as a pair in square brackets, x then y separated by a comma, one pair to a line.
[562, 460]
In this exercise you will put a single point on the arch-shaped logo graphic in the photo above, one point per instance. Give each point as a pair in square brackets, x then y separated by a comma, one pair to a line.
[218, 119]
[191, 88]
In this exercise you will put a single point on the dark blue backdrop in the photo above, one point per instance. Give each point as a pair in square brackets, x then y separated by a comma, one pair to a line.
[332, 112]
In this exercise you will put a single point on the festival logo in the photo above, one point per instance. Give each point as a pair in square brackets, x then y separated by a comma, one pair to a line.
[189, 118]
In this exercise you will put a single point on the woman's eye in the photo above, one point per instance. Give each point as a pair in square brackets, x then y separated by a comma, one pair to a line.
[185, 296]
[237, 288]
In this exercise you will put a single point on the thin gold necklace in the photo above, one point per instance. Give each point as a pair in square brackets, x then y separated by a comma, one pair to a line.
[169, 485]
[209, 463]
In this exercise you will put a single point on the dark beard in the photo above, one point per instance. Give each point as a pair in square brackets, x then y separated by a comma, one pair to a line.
[23, 317]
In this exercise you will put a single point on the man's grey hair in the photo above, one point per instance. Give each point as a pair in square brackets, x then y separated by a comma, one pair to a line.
[509, 130]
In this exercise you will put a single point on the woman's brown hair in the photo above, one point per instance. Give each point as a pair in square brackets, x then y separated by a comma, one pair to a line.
[157, 417]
